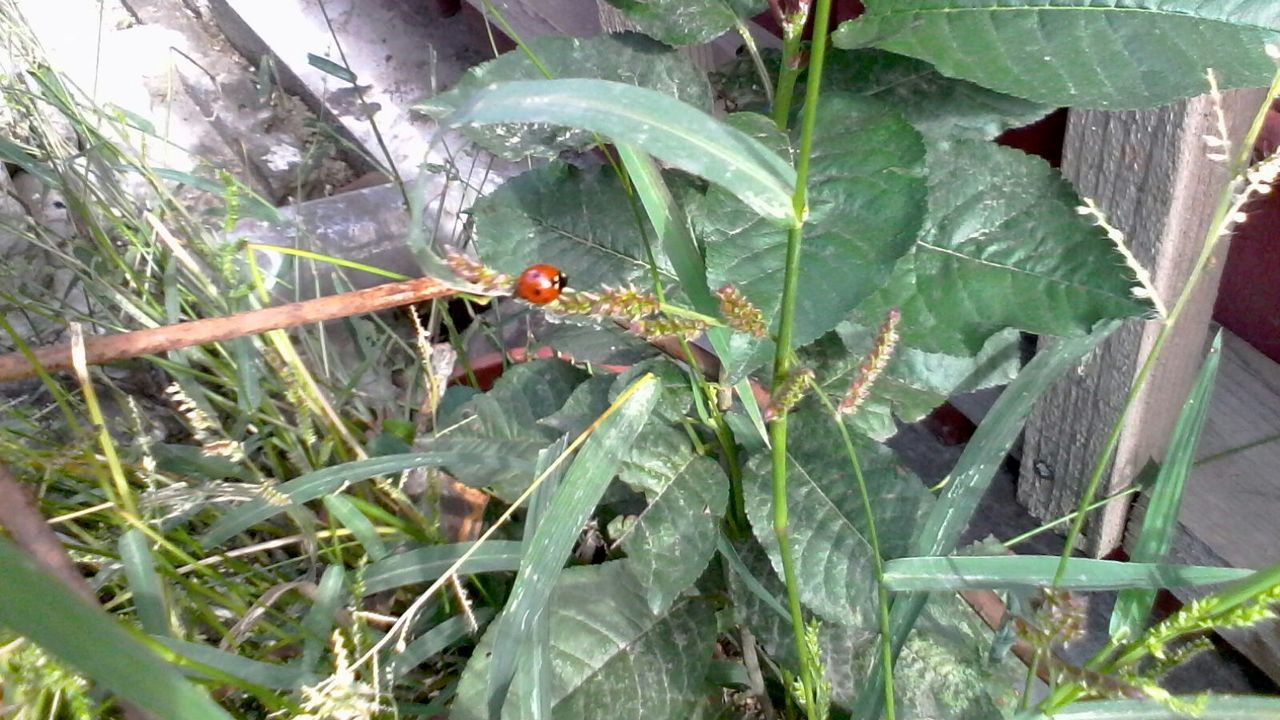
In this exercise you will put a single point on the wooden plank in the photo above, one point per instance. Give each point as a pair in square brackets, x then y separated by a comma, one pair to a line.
[1148, 171]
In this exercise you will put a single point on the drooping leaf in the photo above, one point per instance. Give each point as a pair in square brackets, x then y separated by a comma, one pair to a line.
[578, 220]
[670, 130]
[865, 206]
[623, 57]
[672, 540]
[914, 382]
[1002, 572]
[1160, 517]
[583, 484]
[92, 642]
[1002, 246]
[1086, 53]
[686, 22]
[827, 522]
[256, 672]
[433, 642]
[611, 656]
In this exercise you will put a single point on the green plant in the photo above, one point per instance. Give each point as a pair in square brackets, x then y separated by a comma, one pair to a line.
[857, 257]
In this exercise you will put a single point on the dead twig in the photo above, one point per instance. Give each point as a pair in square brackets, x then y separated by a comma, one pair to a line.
[153, 341]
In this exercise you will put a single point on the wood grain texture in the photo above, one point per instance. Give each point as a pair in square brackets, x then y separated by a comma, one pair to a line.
[1148, 171]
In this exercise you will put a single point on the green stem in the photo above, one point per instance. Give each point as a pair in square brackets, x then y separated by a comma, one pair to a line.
[786, 323]
[873, 539]
[1221, 214]
[792, 62]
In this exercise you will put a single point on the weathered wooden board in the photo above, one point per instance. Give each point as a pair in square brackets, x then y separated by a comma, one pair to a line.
[1149, 172]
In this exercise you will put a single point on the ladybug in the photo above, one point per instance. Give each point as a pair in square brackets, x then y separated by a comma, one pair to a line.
[540, 284]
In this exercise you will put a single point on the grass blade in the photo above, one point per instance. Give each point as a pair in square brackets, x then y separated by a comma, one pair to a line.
[89, 640]
[425, 564]
[252, 672]
[938, 574]
[1160, 521]
[314, 485]
[319, 619]
[662, 126]
[1216, 707]
[355, 521]
[144, 583]
[433, 642]
[581, 489]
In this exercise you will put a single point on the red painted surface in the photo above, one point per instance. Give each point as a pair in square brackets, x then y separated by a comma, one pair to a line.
[1249, 295]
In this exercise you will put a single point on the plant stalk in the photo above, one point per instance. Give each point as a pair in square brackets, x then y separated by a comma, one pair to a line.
[786, 324]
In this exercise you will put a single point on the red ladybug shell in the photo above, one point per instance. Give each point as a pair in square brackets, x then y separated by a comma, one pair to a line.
[540, 284]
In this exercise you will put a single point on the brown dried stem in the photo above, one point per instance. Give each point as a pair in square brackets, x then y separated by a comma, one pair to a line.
[152, 341]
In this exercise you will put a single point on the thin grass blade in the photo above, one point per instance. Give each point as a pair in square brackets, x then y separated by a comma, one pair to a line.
[1216, 707]
[425, 564]
[942, 574]
[583, 485]
[319, 620]
[355, 521]
[253, 672]
[90, 641]
[144, 583]
[1160, 521]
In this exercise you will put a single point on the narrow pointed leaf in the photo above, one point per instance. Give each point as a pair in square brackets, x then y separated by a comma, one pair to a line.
[1216, 707]
[674, 132]
[584, 483]
[144, 583]
[89, 640]
[1160, 519]
[426, 564]
[941, 574]
[254, 672]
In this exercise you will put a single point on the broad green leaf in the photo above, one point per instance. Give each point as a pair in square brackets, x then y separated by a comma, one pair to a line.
[512, 413]
[578, 220]
[624, 57]
[581, 488]
[425, 564]
[673, 538]
[968, 482]
[1215, 707]
[1085, 53]
[1002, 229]
[253, 672]
[144, 582]
[87, 639]
[938, 106]
[946, 668]
[1160, 518]
[827, 521]
[865, 205]
[939, 574]
[611, 656]
[672, 131]
[314, 485]
[687, 22]
[914, 383]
